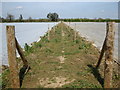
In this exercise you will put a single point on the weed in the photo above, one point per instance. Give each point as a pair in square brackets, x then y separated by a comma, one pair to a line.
[38, 44]
[69, 35]
[44, 39]
[48, 50]
[28, 49]
[71, 53]
[53, 81]
[77, 41]
[80, 84]
[5, 78]
[56, 40]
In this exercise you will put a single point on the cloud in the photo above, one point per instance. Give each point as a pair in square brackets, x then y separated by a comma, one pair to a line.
[19, 7]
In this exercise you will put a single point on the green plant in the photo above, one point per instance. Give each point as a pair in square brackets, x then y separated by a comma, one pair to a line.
[48, 50]
[38, 44]
[77, 41]
[56, 40]
[81, 84]
[44, 38]
[26, 47]
[5, 78]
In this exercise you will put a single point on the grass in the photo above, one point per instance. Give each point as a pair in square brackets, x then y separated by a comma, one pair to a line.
[81, 84]
[79, 55]
[5, 79]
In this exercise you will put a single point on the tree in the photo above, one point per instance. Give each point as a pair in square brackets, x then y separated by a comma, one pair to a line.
[10, 17]
[53, 16]
[21, 17]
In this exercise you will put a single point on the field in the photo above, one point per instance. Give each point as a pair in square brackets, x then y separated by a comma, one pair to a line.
[62, 59]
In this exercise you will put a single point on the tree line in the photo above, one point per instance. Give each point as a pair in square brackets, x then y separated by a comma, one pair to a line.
[53, 17]
[90, 20]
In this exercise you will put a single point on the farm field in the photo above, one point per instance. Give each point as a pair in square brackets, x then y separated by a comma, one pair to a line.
[30, 32]
[59, 44]
[61, 60]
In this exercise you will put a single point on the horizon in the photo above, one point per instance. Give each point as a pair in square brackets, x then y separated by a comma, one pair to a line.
[37, 10]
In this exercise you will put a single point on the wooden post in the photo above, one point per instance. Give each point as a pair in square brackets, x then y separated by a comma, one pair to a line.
[48, 33]
[109, 55]
[69, 23]
[20, 51]
[119, 74]
[62, 31]
[101, 54]
[75, 33]
[54, 27]
[103, 49]
[11, 45]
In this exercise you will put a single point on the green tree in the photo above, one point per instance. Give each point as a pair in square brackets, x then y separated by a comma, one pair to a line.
[21, 17]
[52, 16]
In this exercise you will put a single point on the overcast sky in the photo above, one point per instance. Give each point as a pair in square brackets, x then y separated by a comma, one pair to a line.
[64, 9]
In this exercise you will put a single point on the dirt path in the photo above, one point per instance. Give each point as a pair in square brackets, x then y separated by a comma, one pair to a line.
[55, 82]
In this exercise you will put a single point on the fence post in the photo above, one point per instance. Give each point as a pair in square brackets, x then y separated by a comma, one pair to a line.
[101, 54]
[54, 27]
[75, 33]
[109, 55]
[11, 45]
[48, 32]
[19, 49]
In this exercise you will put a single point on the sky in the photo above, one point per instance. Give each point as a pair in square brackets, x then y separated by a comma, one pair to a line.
[64, 9]
[60, 0]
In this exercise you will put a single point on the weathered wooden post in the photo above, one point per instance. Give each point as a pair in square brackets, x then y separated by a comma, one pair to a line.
[68, 23]
[101, 53]
[75, 33]
[48, 32]
[62, 31]
[109, 55]
[11, 45]
[20, 51]
[54, 27]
